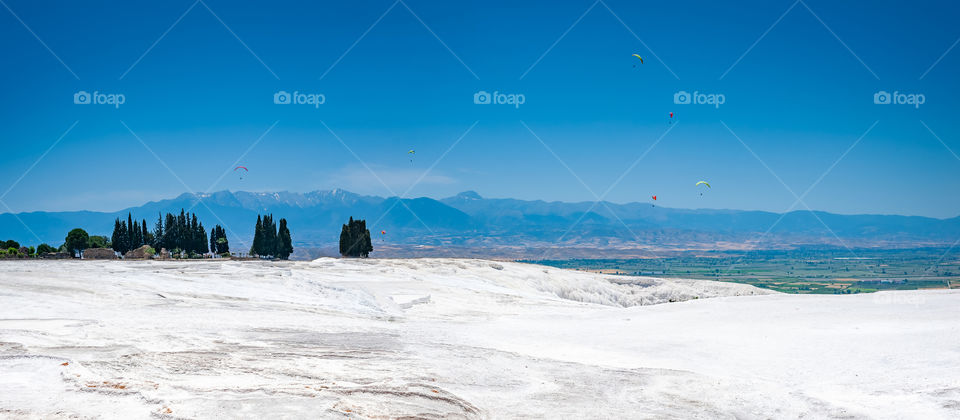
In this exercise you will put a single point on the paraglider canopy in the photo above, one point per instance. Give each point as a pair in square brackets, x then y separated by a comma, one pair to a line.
[654, 198]
[383, 232]
[638, 56]
[245, 170]
[704, 183]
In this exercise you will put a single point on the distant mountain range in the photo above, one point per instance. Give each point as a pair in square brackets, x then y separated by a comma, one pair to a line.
[469, 221]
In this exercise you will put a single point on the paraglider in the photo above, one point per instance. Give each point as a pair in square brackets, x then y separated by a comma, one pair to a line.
[703, 183]
[245, 170]
[654, 199]
[411, 153]
[639, 57]
[671, 118]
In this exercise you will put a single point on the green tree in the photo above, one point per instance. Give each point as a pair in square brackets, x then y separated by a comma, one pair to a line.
[284, 242]
[221, 244]
[269, 236]
[115, 237]
[202, 244]
[170, 232]
[44, 248]
[76, 241]
[158, 233]
[257, 246]
[145, 237]
[355, 239]
[137, 235]
[97, 241]
[181, 231]
[131, 234]
[213, 240]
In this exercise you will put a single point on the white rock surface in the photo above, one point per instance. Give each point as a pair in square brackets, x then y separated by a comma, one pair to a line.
[438, 338]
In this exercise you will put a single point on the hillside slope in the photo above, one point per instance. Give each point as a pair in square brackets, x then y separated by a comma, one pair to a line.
[437, 338]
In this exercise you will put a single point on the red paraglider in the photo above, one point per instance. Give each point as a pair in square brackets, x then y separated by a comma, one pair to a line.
[244, 170]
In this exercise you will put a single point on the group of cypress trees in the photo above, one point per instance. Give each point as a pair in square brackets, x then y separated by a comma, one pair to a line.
[218, 241]
[270, 242]
[130, 234]
[355, 239]
[183, 233]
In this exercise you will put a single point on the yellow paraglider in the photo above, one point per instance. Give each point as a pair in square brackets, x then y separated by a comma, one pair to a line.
[704, 183]
[638, 56]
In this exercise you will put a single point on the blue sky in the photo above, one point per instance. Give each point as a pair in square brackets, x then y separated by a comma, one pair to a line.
[798, 89]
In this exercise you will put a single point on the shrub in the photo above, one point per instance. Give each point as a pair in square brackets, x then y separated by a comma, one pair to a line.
[44, 248]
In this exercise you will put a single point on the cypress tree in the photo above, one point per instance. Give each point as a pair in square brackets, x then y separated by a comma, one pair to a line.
[213, 240]
[195, 235]
[181, 230]
[144, 233]
[223, 245]
[284, 242]
[137, 236]
[355, 239]
[257, 247]
[270, 235]
[131, 238]
[115, 237]
[170, 232]
[158, 233]
[345, 238]
[123, 245]
[202, 240]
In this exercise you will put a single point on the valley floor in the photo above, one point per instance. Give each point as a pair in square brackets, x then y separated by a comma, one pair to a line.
[445, 338]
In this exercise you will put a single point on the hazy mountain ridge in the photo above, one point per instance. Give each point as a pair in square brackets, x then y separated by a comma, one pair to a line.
[469, 220]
